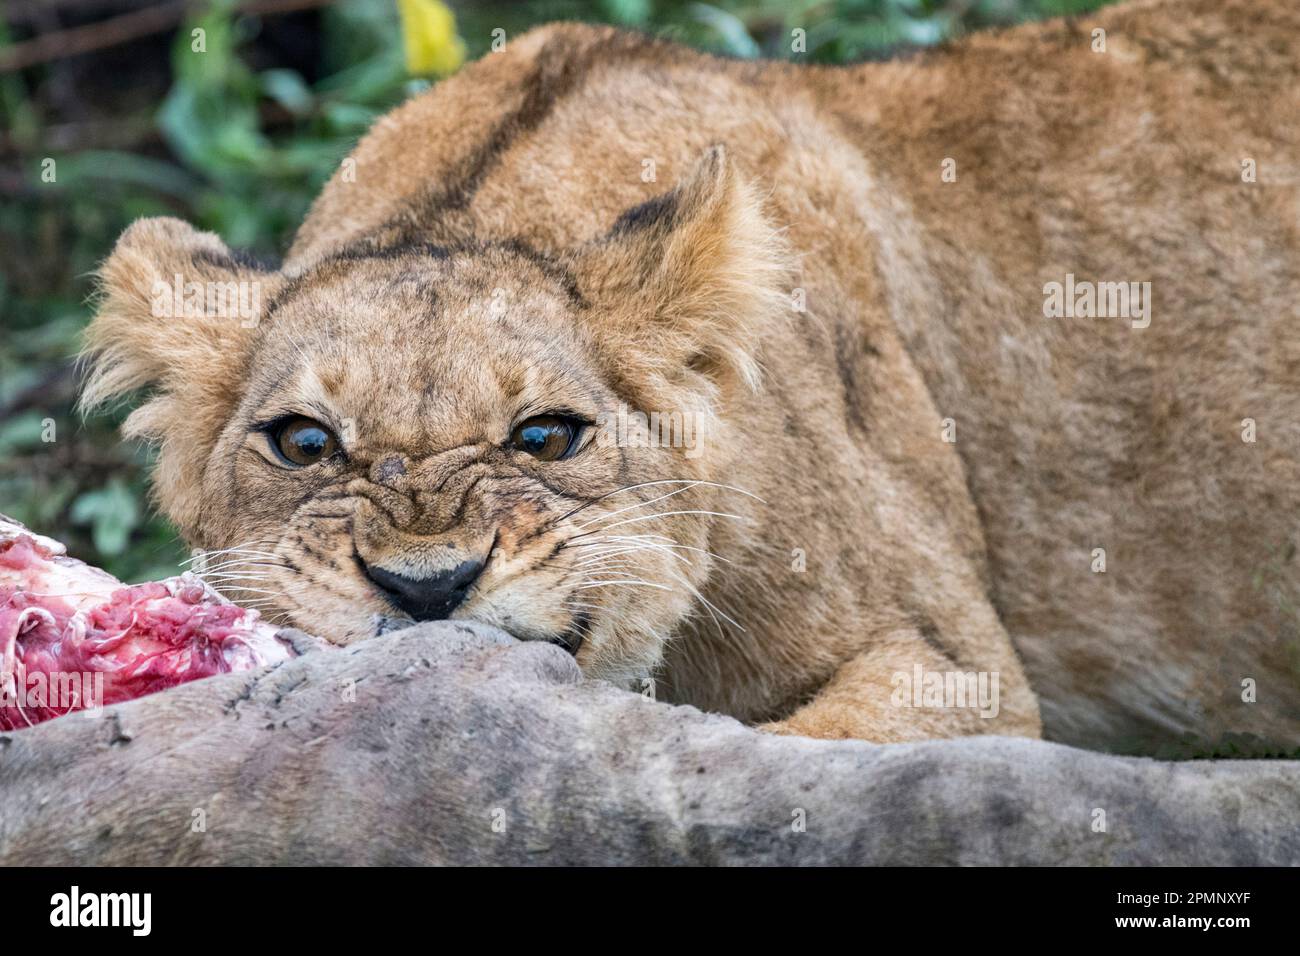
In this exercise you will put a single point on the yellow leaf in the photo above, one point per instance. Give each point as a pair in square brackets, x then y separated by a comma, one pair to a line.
[429, 37]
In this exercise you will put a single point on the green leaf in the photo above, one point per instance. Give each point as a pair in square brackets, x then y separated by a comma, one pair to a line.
[289, 90]
[735, 37]
[127, 169]
[21, 431]
[631, 13]
[112, 514]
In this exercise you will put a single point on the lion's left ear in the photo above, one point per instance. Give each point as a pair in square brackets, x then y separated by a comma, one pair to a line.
[689, 278]
[175, 310]
[176, 315]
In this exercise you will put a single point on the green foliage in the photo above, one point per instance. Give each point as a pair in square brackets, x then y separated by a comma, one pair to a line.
[239, 143]
[112, 514]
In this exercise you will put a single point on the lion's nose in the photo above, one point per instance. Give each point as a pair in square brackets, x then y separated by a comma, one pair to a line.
[429, 598]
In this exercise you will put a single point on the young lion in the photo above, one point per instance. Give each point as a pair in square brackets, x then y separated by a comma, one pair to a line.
[999, 339]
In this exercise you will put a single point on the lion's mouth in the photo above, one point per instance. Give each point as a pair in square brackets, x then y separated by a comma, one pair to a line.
[572, 637]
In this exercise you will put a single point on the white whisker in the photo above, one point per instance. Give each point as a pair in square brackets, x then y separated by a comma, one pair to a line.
[610, 584]
[205, 555]
[664, 514]
[639, 504]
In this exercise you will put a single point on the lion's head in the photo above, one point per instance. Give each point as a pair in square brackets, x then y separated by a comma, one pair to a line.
[407, 431]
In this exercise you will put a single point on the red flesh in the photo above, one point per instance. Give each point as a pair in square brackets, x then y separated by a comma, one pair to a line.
[65, 624]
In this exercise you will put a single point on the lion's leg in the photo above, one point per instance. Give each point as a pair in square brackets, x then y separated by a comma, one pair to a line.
[904, 688]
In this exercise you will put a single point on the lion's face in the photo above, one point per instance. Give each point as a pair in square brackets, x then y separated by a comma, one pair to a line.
[415, 432]
[436, 437]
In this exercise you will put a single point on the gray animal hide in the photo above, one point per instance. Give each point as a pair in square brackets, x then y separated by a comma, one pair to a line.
[445, 743]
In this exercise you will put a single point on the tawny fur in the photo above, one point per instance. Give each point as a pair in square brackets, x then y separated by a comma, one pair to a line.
[470, 263]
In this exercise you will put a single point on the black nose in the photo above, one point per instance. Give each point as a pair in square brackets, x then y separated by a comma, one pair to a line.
[430, 598]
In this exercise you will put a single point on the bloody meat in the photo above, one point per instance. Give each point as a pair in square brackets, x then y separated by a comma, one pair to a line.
[74, 637]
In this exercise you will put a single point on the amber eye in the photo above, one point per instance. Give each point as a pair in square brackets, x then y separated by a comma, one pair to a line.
[301, 441]
[546, 437]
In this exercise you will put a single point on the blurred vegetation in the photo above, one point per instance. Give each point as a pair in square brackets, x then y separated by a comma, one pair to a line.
[238, 139]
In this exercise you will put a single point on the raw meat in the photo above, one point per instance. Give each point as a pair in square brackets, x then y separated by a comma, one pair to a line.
[73, 637]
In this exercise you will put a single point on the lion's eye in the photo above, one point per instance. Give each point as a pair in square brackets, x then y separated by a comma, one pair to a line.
[301, 441]
[546, 437]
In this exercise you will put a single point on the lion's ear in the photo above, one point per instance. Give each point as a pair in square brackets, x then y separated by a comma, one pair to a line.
[176, 313]
[689, 278]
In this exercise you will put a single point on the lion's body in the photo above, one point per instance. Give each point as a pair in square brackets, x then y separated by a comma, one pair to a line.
[882, 543]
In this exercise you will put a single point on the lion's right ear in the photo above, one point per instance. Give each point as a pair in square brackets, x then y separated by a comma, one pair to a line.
[176, 314]
[689, 279]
